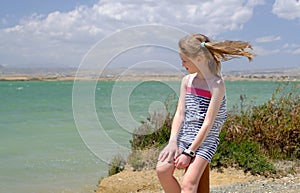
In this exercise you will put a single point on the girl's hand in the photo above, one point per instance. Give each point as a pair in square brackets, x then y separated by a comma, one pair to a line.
[169, 153]
[182, 161]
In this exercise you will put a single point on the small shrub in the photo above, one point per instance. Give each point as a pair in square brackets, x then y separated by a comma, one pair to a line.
[156, 138]
[155, 131]
[116, 165]
[143, 159]
[135, 161]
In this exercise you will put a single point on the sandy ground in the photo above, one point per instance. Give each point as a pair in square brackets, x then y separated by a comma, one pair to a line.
[146, 181]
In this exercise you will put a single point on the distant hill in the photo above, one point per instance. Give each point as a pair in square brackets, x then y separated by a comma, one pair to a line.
[56, 73]
[285, 73]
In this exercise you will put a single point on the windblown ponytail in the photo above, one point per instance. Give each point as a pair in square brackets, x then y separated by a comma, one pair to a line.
[227, 50]
[195, 44]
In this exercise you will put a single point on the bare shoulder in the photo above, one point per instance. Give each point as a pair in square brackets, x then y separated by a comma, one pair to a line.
[185, 77]
[184, 80]
[218, 86]
[220, 83]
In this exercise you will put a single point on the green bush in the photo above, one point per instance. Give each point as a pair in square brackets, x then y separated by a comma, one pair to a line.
[156, 138]
[155, 131]
[246, 155]
[274, 125]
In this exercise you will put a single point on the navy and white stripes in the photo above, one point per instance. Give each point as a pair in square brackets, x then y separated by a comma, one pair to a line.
[197, 102]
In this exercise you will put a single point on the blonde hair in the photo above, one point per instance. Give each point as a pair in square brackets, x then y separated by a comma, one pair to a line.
[214, 51]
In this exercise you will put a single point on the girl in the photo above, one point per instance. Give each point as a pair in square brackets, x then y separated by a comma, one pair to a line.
[200, 114]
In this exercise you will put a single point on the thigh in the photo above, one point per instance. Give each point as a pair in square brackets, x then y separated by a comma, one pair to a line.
[203, 186]
[195, 170]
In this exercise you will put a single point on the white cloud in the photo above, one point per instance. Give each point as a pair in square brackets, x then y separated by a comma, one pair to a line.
[291, 48]
[287, 9]
[267, 39]
[297, 51]
[63, 37]
[261, 51]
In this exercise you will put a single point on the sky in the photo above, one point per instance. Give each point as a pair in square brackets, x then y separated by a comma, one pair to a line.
[57, 33]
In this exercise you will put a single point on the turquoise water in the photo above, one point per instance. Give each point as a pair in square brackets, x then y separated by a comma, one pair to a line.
[41, 149]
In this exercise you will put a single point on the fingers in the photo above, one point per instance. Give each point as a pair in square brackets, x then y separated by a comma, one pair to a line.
[169, 154]
[177, 163]
[160, 156]
[170, 157]
[176, 153]
[181, 162]
[163, 155]
[181, 165]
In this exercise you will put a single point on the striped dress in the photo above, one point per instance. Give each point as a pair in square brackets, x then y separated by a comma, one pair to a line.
[196, 105]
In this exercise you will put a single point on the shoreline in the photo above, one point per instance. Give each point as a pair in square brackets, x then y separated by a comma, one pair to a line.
[71, 74]
[140, 78]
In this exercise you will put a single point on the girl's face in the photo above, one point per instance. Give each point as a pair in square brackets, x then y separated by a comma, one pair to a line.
[188, 64]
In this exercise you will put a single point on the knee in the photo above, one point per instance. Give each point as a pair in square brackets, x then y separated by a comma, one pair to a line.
[163, 171]
[160, 171]
[189, 186]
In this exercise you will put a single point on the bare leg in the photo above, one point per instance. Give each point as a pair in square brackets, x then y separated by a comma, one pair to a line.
[203, 186]
[193, 174]
[166, 178]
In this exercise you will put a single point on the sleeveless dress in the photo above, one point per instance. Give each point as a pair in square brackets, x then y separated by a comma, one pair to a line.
[196, 105]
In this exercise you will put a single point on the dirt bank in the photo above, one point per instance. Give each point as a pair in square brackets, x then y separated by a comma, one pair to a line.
[146, 181]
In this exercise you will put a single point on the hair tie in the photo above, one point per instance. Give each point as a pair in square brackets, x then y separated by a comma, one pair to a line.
[202, 44]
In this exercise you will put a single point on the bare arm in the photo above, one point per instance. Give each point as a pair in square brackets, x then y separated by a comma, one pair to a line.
[180, 112]
[171, 151]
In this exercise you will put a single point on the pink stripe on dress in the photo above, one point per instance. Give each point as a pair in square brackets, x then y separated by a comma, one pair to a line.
[199, 92]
